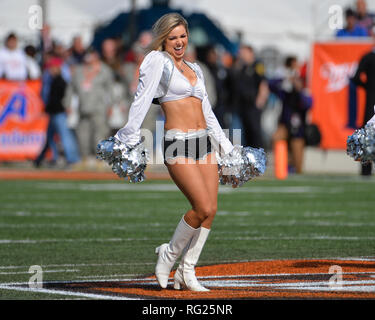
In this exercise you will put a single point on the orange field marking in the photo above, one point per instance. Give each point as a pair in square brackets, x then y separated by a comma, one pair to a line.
[278, 279]
[69, 175]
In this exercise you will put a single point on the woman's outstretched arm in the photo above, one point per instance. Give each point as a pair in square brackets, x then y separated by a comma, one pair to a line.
[150, 73]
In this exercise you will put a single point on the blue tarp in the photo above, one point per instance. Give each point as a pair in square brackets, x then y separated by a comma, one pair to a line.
[145, 18]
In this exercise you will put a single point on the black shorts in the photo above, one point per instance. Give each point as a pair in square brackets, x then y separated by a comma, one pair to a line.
[195, 145]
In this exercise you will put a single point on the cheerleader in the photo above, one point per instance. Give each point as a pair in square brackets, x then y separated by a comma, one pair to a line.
[192, 134]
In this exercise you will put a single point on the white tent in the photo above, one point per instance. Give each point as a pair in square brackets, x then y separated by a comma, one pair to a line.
[289, 25]
[65, 19]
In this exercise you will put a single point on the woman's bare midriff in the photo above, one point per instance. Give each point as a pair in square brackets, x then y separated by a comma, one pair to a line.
[184, 114]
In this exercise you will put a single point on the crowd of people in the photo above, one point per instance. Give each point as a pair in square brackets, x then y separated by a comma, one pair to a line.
[87, 91]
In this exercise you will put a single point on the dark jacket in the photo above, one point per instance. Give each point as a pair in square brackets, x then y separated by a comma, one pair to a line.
[54, 102]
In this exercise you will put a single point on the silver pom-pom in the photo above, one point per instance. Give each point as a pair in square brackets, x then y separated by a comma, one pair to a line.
[361, 144]
[241, 164]
[126, 161]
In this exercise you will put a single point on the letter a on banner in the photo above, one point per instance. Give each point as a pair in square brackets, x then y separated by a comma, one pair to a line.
[15, 106]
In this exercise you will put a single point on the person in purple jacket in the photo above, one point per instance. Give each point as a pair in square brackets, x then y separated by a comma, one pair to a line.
[295, 104]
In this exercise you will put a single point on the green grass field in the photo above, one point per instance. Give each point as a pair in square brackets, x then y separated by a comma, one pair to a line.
[86, 230]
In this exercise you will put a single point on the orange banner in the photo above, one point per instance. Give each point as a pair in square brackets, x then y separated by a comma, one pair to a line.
[338, 106]
[22, 121]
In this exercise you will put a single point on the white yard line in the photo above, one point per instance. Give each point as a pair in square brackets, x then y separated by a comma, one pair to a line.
[75, 226]
[82, 265]
[66, 293]
[44, 271]
[323, 237]
[133, 275]
[258, 238]
[82, 226]
[171, 187]
[38, 241]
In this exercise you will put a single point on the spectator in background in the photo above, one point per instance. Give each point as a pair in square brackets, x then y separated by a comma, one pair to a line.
[248, 95]
[110, 56]
[92, 82]
[295, 104]
[57, 51]
[53, 101]
[220, 78]
[364, 19]
[13, 63]
[32, 65]
[46, 40]
[352, 29]
[133, 60]
[77, 51]
[72, 58]
[131, 66]
[366, 67]
[191, 56]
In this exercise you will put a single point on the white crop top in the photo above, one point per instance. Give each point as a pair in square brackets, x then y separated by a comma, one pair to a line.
[150, 76]
[180, 87]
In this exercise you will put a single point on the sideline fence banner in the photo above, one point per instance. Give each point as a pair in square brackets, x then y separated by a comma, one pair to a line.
[22, 121]
[338, 106]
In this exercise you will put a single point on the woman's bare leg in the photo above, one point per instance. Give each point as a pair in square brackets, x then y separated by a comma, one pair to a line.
[209, 171]
[199, 183]
[191, 180]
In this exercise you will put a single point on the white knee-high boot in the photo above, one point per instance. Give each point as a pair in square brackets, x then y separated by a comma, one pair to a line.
[169, 252]
[185, 273]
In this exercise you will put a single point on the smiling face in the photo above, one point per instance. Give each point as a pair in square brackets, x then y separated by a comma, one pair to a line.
[176, 42]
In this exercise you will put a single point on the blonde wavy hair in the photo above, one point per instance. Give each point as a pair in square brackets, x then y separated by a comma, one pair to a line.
[163, 27]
